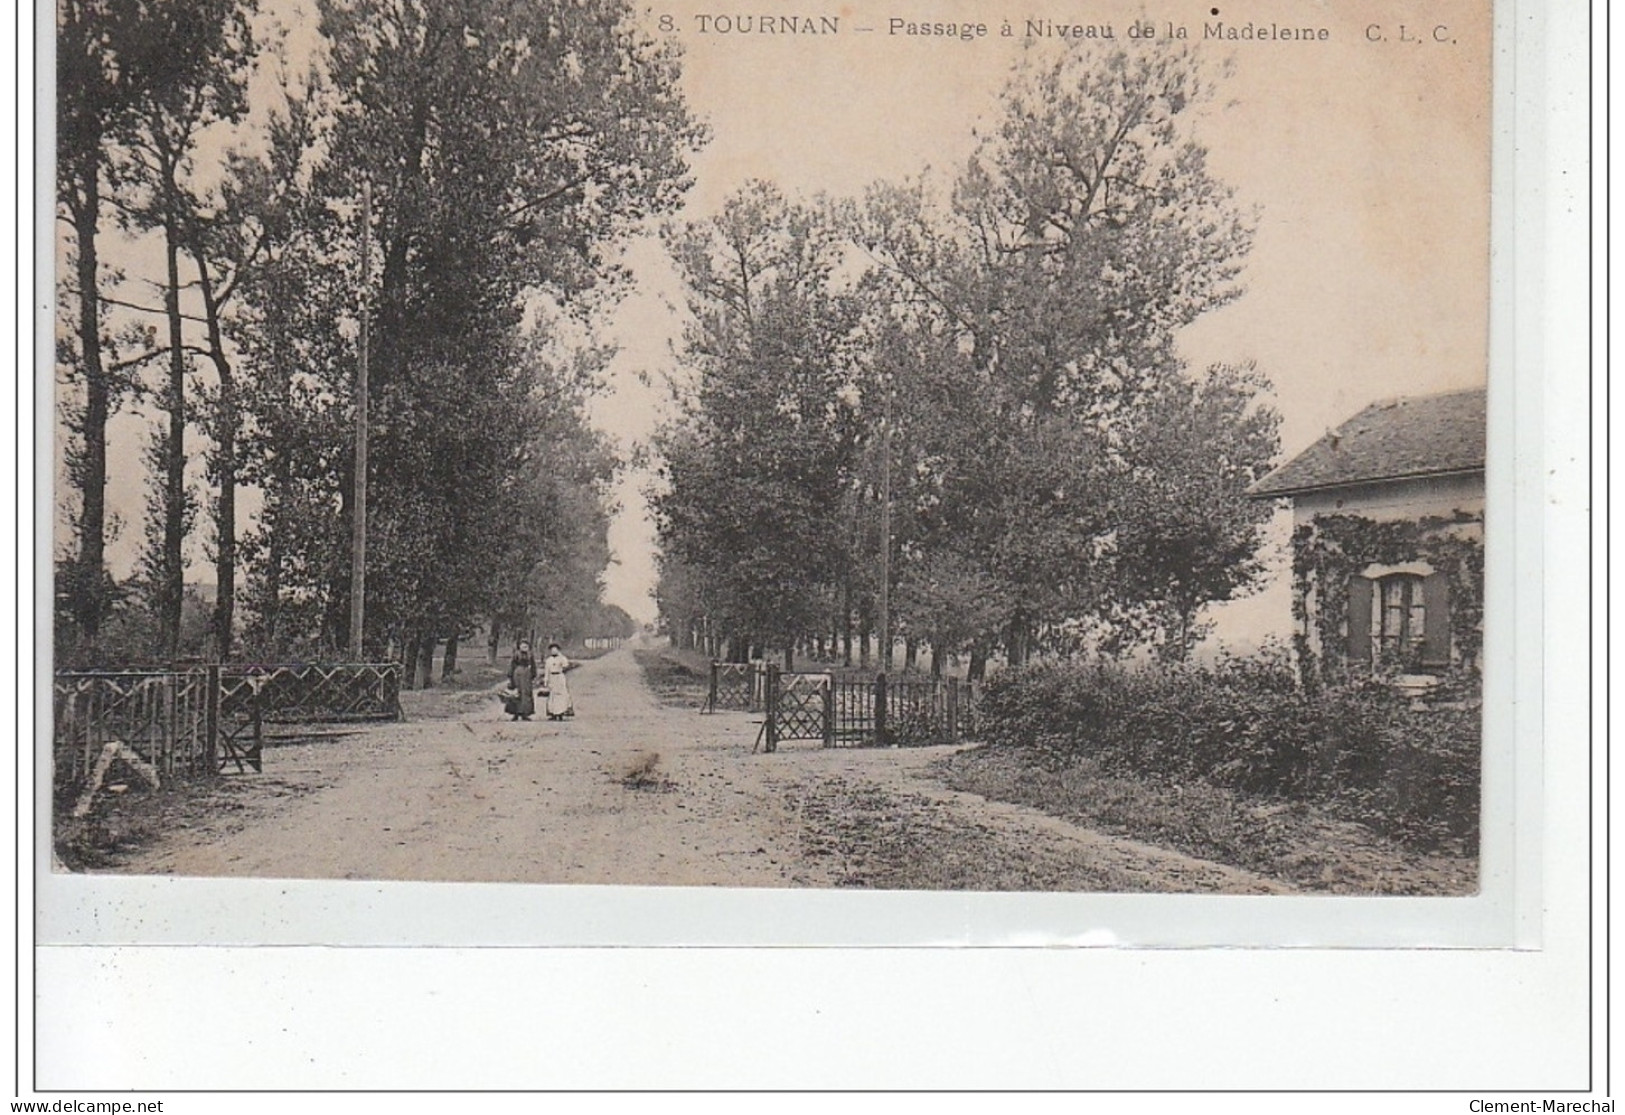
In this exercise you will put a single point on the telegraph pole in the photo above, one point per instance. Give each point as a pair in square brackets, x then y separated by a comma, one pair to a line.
[358, 534]
[885, 532]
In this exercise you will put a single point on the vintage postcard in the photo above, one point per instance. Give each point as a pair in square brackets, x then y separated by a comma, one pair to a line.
[957, 449]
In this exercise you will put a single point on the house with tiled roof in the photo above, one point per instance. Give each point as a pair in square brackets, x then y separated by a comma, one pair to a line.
[1388, 538]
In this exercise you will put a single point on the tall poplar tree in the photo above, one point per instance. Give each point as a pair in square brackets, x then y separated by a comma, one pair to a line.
[1082, 237]
[200, 85]
[508, 144]
[757, 466]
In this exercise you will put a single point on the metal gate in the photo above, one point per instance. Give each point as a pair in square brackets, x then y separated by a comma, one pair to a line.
[856, 713]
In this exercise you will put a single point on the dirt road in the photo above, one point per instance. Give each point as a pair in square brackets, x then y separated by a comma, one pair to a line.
[632, 792]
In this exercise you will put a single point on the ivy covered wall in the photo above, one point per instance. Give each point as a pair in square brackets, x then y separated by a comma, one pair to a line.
[1330, 551]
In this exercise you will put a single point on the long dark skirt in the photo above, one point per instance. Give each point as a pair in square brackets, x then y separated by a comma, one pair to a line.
[522, 676]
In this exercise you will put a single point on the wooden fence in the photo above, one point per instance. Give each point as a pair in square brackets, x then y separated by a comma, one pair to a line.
[163, 716]
[198, 720]
[310, 692]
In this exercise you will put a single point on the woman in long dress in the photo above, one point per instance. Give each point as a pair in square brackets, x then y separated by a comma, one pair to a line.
[522, 679]
[558, 688]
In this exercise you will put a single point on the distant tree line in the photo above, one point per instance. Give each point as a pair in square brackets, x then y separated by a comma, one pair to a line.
[999, 356]
[209, 195]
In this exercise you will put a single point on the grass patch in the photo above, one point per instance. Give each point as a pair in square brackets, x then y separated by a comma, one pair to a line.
[678, 679]
[867, 838]
[1362, 751]
[121, 824]
[1294, 843]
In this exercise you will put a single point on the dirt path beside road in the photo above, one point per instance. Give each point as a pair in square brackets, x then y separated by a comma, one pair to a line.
[631, 792]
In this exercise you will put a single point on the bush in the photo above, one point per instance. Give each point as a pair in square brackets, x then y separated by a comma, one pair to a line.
[1409, 772]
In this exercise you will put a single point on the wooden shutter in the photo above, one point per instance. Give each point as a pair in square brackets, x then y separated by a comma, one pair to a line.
[1360, 620]
[1435, 620]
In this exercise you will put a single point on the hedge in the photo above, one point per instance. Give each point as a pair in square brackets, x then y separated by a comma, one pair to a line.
[1409, 771]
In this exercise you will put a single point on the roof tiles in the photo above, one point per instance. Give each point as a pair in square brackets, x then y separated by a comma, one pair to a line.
[1390, 440]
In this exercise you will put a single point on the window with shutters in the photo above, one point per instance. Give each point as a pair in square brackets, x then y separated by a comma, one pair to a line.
[1400, 619]
[1387, 598]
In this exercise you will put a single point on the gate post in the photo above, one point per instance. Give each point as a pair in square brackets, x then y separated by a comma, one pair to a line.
[829, 712]
[211, 718]
[953, 710]
[770, 705]
[880, 710]
[711, 694]
[164, 760]
[259, 733]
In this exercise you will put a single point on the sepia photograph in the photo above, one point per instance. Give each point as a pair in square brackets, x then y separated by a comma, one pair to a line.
[941, 449]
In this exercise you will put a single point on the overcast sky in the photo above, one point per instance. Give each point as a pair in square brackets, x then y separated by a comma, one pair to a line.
[1368, 161]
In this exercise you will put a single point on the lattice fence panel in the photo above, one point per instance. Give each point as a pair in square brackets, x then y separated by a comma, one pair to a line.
[800, 712]
[316, 693]
[738, 686]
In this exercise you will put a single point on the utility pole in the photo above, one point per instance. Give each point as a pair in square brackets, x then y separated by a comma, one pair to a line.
[358, 534]
[885, 530]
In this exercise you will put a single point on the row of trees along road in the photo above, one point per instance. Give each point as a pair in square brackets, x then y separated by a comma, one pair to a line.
[1058, 477]
[508, 144]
